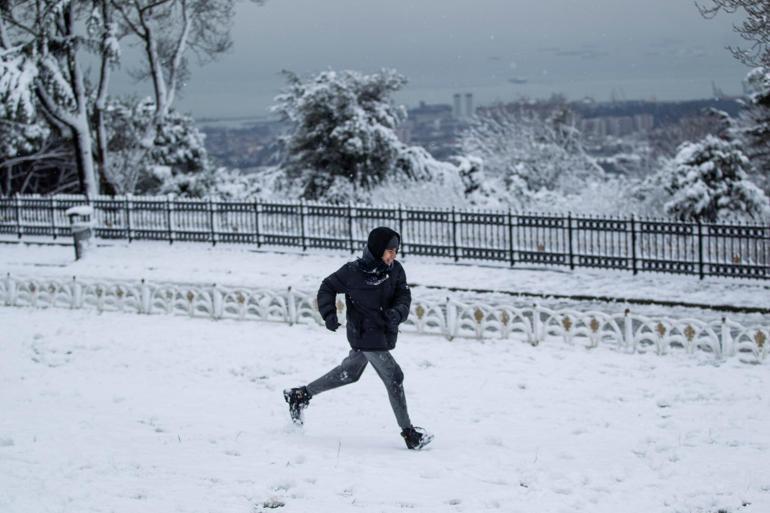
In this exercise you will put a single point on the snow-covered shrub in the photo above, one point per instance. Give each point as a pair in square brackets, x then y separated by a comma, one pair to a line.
[173, 161]
[19, 138]
[471, 171]
[527, 154]
[708, 181]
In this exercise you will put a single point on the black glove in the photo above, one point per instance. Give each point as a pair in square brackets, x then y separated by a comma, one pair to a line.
[393, 319]
[332, 323]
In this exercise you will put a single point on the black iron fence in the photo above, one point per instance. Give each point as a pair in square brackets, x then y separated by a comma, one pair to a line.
[630, 243]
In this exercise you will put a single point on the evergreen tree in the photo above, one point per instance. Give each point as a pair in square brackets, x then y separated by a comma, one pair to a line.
[708, 181]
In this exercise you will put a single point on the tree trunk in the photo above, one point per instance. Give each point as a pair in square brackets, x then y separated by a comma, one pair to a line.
[84, 158]
[106, 183]
[100, 104]
[80, 127]
[156, 72]
[78, 164]
[7, 179]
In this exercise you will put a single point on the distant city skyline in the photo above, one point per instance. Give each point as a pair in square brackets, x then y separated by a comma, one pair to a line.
[498, 50]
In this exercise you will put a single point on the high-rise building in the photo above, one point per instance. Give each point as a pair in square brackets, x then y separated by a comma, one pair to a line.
[456, 106]
[469, 105]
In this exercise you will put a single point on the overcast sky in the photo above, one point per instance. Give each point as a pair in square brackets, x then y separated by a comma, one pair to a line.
[636, 48]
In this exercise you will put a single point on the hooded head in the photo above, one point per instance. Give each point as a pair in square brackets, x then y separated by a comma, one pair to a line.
[382, 238]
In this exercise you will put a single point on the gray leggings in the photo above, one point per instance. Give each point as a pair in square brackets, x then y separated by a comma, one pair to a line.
[351, 369]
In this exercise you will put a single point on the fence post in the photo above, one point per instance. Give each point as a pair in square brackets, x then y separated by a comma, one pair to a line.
[510, 236]
[454, 234]
[451, 319]
[212, 233]
[10, 290]
[700, 250]
[350, 226]
[726, 340]
[169, 206]
[77, 294]
[217, 306]
[291, 307]
[628, 331]
[127, 215]
[52, 206]
[536, 325]
[19, 229]
[633, 244]
[569, 239]
[302, 223]
[402, 247]
[256, 221]
[146, 303]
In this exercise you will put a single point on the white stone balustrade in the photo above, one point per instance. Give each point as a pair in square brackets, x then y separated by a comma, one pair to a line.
[624, 331]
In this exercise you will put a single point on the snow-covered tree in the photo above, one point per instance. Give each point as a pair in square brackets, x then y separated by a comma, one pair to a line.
[42, 49]
[33, 158]
[179, 146]
[754, 28]
[753, 126]
[528, 153]
[708, 181]
[18, 139]
[175, 160]
[753, 129]
[343, 133]
[170, 31]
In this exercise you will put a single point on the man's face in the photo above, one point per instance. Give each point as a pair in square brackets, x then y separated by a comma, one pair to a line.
[389, 255]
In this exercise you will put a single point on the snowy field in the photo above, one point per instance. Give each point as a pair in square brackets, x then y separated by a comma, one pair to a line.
[126, 413]
[429, 277]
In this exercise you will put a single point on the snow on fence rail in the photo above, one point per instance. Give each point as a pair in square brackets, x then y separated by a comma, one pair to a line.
[634, 244]
[625, 331]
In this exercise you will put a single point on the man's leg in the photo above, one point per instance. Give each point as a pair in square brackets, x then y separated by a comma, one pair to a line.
[390, 374]
[345, 373]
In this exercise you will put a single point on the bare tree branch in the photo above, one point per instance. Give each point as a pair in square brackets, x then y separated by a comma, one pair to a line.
[754, 29]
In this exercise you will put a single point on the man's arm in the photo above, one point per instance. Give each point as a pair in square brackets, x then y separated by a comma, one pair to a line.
[403, 298]
[327, 294]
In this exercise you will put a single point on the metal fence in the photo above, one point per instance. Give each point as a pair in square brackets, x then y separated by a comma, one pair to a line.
[632, 243]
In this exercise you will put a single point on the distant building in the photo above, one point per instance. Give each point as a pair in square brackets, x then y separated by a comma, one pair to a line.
[616, 126]
[435, 127]
[462, 109]
[469, 105]
[644, 122]
[456, 111]
[430, 114]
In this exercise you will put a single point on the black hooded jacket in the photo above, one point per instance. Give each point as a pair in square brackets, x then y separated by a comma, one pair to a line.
[370, 287]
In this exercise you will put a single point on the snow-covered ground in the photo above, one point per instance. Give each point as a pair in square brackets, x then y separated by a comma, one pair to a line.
[122, 413]
[280, 268]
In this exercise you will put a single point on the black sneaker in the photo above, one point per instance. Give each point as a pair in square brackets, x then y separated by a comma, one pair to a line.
[416, 437]
[298, 399]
